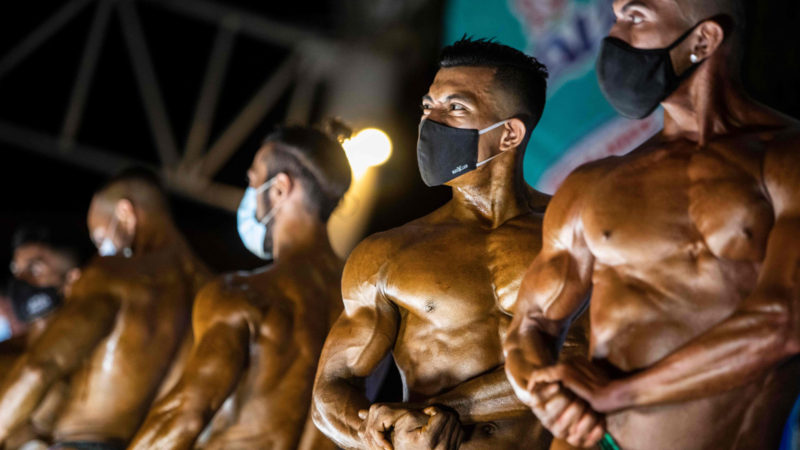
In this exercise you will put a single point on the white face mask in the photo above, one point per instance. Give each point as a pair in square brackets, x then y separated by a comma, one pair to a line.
[252, 231]
[5, 329]
[107, 247]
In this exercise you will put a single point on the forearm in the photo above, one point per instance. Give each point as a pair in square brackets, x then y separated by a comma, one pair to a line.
[762, 333]
[62, 347]
[180, 416]
[732, 354]
[483, 399]
[335, 406]
[21, 392]
[170, 424]
[527, 348]
[211, 374]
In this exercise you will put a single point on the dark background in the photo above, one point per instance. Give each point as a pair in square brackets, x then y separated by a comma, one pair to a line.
[35, 94]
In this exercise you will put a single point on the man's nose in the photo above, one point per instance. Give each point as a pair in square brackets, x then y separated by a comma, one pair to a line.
[621, 32]
[435, 114]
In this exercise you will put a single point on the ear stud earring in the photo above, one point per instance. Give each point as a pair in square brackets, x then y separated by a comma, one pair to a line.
[694, 58]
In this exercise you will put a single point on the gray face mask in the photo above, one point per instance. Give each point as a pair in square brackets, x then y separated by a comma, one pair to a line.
[445, 152]
[634, 80]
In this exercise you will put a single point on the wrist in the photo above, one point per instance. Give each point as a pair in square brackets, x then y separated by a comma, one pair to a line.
[617, 395]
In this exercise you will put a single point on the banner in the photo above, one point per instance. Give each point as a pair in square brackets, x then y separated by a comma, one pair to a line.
[578, 124]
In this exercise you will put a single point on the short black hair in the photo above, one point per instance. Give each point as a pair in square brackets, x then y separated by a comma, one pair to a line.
[316, 158]
[65, 238]
[522, 76]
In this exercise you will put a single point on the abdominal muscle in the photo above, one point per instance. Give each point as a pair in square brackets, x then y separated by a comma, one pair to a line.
[433, 359]
[637, 321]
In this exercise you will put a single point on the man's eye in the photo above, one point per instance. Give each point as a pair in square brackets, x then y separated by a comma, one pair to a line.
[456, 107]
[424, 106]
[38, 268]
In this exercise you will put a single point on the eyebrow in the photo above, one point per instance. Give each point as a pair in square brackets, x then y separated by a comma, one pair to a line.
[462, 97]
[633, 3]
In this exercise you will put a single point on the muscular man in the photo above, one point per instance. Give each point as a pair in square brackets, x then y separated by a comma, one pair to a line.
[46, 261]
[259, 334]
[690, 244]
[119, 328]
[438, 292]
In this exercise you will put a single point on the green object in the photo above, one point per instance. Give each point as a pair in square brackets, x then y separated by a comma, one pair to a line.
[608, 443]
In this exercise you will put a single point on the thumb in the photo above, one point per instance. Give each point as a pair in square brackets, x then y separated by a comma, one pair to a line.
[362, 414]
[546, 375]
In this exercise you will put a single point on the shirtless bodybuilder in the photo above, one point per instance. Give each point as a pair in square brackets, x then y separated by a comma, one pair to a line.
[690, 245]
[438, 292]
[259, 334]
[119, 328]
[47, 259]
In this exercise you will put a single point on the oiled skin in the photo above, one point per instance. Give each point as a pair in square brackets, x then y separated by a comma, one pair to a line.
[116, 335]
[690, 245]
[438, 293]
[42, 420]
[258, 337]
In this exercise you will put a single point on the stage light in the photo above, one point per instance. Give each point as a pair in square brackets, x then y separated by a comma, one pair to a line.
[369, 147]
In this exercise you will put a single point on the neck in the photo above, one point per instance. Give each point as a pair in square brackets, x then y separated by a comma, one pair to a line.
[155, 234]
[708, 104]
[494, 193]
[300, 236]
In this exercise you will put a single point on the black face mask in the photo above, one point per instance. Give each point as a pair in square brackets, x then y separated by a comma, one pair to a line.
[31, 302]
[634, 80]
[445, 152]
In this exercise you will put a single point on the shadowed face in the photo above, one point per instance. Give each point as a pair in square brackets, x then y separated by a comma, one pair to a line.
[40, 265]
[649, 24]
[116, 222]
[466, 97]
[256, 177]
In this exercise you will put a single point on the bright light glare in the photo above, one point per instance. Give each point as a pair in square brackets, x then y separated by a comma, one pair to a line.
[369, 147]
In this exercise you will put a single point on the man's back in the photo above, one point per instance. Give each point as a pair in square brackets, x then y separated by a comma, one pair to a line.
[288, 309]
[112, 389]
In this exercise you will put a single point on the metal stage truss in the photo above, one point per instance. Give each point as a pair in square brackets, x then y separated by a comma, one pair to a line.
[187, 169]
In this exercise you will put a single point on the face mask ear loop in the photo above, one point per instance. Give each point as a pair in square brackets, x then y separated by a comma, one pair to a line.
[268, 216]
[112, 228]
[488, 159]
[267, 184]
[492, 127]
[685, 35]
[486, 130]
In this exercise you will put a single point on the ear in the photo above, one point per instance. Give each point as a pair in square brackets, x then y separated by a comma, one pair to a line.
[513, 134]
[281, 189]
[72, 276]
[706, 39]
[126, 214]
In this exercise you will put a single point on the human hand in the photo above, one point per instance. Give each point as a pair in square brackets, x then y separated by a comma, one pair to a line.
[586, 381]
[433, 428]
[566, 416]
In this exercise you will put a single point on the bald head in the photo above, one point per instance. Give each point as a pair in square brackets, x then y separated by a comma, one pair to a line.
[139, 186]
[131, 204]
